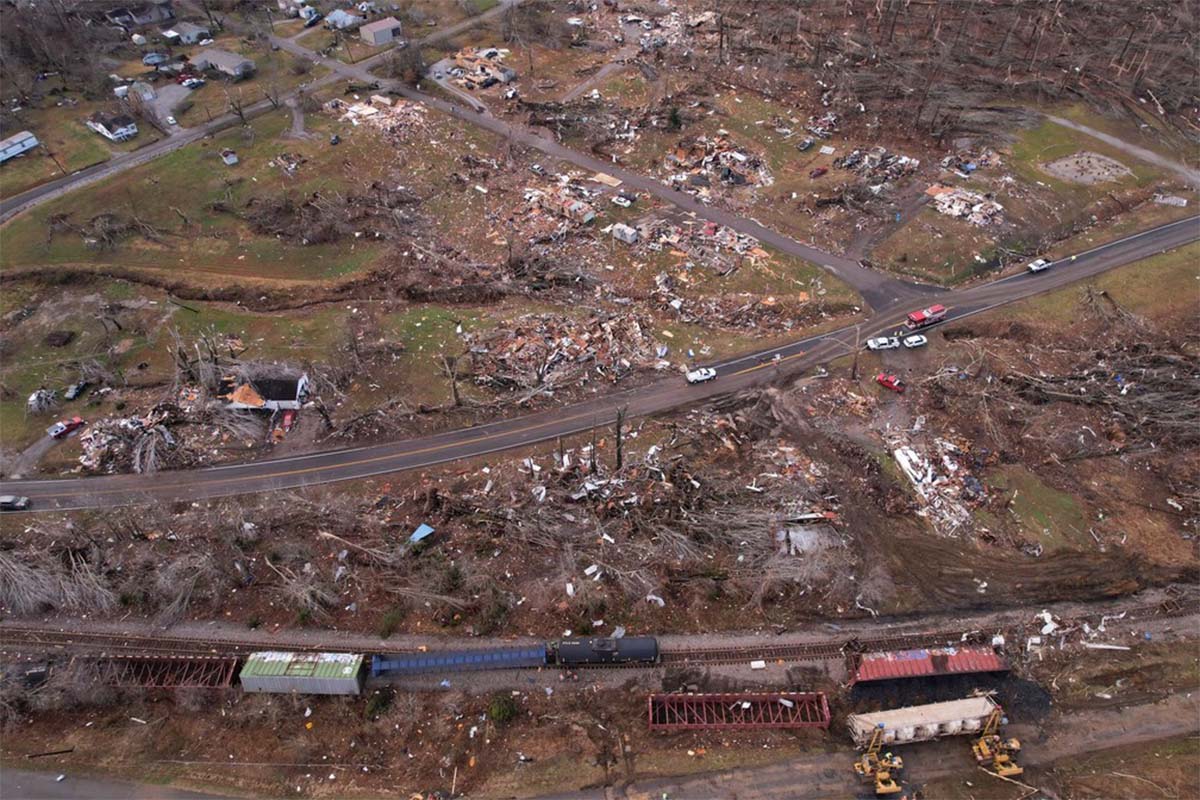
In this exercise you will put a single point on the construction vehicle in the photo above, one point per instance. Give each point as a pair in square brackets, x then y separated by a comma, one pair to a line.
[879, 768]
[991, 749]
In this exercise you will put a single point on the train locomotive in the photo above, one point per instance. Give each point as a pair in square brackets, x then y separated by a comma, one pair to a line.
[563, 653]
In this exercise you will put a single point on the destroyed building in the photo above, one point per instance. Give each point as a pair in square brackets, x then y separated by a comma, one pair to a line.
[282, 393]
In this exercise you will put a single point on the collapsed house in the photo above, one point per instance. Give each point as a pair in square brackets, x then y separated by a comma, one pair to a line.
[264, 394]
[962, 204]
[944, 482]
[481, 67]
[702, 161]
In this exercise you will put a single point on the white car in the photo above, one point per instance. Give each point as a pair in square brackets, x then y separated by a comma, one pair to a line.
[883, 343]
[915, 341]
[701, 375]
[1039, 265]
[171, 121]
[617, 200]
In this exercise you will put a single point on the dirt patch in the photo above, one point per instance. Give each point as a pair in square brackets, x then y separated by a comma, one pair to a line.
[1086, 168]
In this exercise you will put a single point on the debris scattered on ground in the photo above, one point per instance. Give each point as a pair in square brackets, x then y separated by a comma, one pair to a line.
[963, 204]
[696, 164]
[944, 482]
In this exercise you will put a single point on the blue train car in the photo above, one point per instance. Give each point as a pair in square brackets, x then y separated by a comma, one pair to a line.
[523, 656]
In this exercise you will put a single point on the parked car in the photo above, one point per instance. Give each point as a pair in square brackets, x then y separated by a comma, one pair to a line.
[883, 343]
[805, 145]
[193, 83]
[701, 375]
[66, 427]
[890, 381]
[314, 19]
[205, 42]
[1039, 265]
[818, 172]
[11, 502]
[617, 200]
[75, 390]
[916, 340]
[171, 120]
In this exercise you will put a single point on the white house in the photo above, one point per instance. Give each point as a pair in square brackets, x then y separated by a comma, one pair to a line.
[16, 144]
[266, 394]
[115, 127]
[381, 31]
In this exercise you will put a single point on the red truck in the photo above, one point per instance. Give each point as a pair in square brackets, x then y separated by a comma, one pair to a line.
[926, 317]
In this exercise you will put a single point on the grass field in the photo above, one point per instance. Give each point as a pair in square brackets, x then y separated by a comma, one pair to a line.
[66, 142]
[1158, 287]
[346, 46]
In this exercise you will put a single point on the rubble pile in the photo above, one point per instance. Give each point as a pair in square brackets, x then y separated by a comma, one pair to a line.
[823, 126]
[963, 204]
[546, 351]
[878, 164]
[706, 243]
[964, 163]
[696, 164]
[944, 482]
[397, 119]
[757, 314]
[118, 444]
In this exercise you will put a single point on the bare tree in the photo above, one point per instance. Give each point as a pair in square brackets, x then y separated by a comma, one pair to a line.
[236, 105]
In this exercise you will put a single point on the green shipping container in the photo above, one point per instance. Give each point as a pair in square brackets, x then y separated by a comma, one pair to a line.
[303, 673]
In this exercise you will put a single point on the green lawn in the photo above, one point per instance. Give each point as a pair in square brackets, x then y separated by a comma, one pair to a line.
[191, 179]
[347, 47]
[66, 142]
[1047, 516]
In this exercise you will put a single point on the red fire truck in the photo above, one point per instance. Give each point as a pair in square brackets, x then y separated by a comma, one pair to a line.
[926, 317]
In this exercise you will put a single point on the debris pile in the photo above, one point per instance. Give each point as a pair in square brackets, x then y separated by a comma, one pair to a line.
[944, 482]
[481, 68]
[974, 208]
[397, 119]
[118, 444]
[699, 162]
[542, 352]
[878, 164]
[823, 126]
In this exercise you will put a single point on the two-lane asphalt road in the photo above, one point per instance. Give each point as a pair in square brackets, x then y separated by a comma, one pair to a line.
[733, 375]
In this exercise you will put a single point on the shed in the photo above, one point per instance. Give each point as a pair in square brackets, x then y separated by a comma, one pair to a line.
[925, 662]
[922, 723]
[303, 673]
[381, 31]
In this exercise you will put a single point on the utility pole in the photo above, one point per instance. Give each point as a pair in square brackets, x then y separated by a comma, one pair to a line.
[54, 158]
[857, 349]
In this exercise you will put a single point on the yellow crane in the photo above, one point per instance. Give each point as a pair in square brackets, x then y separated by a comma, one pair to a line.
[880, 768]
[990, 747]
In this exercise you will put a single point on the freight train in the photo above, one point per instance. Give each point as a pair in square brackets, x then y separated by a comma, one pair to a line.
[562, 653]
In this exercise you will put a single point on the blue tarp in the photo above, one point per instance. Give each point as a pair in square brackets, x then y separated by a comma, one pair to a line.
[420, 533]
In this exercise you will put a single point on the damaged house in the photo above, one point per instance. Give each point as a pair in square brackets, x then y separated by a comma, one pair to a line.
[265, 394]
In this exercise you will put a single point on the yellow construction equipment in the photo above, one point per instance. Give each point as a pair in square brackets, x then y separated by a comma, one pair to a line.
[991, 749]
[879, 768]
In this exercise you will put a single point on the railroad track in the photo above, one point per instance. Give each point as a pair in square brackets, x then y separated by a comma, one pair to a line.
[26, 640]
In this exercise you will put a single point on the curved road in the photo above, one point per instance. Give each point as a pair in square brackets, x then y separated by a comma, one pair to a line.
[733, 375]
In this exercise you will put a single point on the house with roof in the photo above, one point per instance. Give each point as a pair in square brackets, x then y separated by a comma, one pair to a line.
[114, 127]
[151, 12]
[186, 33]
[343, 20]
[380, 32]
[281, 393]
[231, 65]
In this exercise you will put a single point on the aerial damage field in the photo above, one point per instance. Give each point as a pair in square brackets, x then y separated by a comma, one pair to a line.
[523, 206]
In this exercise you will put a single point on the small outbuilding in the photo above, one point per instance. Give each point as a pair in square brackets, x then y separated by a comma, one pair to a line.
[381, 31]
[342, 20]
[303, 673]
[186, 33]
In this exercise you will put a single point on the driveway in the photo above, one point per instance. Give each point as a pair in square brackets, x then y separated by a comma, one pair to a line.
[166, 99]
